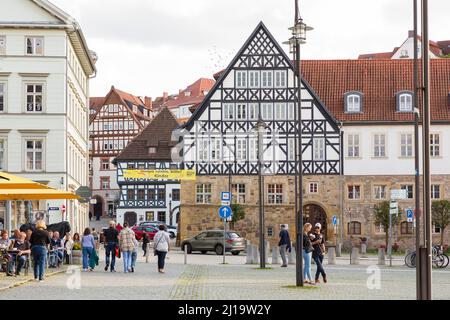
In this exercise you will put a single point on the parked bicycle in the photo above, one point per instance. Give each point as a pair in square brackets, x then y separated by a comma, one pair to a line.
[439, 258]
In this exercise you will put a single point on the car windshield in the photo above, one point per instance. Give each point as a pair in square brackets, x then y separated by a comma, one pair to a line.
[233, 235]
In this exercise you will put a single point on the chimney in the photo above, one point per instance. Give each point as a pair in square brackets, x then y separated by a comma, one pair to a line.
[148, 102]
[165, 96]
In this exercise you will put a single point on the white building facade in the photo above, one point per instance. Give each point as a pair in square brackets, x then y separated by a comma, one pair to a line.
[45, 68]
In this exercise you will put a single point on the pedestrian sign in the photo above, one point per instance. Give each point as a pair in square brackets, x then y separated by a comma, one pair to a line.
[334, 220]
[225, 212]
[410, 215]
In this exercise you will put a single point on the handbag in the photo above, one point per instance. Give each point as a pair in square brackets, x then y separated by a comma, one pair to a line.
[117, 252]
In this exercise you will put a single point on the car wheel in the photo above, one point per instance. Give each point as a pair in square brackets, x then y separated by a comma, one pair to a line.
[172, 235]
[219, 249]
[204, 252]
[188, 248]
[235, 253]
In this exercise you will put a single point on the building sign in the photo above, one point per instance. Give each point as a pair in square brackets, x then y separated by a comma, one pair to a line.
[160, 174]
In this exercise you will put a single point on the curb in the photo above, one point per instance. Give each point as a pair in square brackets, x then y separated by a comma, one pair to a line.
[21, 283]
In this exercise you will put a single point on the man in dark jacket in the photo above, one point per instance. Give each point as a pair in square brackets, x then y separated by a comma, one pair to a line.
[111, 240]
[284, 244]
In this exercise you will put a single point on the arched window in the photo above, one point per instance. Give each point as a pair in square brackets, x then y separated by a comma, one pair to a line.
[353, 102]
[405, 101]
[354, 228]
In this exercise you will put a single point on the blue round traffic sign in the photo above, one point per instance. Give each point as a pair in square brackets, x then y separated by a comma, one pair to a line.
[225, 212]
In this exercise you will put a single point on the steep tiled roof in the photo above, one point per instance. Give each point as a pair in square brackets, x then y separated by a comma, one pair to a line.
[129, 97]
[158, 134]
[379, 81]
[193, 94]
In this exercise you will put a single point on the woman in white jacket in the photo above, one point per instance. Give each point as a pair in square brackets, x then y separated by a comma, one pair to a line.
[68, 246]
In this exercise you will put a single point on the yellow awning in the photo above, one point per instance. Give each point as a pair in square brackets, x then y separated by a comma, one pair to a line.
[36, 194]
[8, 181]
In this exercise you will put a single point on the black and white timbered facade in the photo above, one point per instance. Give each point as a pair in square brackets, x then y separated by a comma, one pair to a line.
[260, 82]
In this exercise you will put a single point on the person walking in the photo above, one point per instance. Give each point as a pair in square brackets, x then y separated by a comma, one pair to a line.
[111, 241]
[39, 241]
[307, 253]
[284, 244]
[126, 244]
[88, 246]
[318, 244]
[161, 246]
[134, 254]
[145, 242]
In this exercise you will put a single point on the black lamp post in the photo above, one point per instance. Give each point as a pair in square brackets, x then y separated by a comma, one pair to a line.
[260, 128]
[298, 37]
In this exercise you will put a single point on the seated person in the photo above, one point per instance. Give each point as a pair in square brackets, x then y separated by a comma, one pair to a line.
[22, 249]
[57, 250]
[5, 243]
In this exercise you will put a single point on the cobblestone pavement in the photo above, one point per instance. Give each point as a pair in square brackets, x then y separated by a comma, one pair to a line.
[206, 278]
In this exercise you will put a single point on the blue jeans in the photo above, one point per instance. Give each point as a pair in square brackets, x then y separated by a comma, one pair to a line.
[87, 253]
[126, 260]
[110, 255]
[319, 263]
[307, 266]
[39, 256]
[161, 259]
[133, 258]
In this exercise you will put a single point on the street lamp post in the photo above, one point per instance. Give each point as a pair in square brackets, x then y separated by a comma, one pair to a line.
[298, 37]
[260, 129]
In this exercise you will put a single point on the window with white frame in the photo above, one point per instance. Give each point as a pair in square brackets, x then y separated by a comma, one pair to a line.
[241, 79]
[353, 145]
[252, 111]
[406, 145]
[104, 183]
[267, 111]
[280, 111]
[35, 97]
[379, 145]
[2, 97]
[409, 190]
[280, 78]
[238, 192]
[405, 102]
[313, 187]
[34, 151]
[267, 79]
[228, 111]
[241, 111]
[253, 149]
[35, 46]
[319, 149]
[2, 153]
[215, 146]
[2, 45]
[354, 192]
[241, 149]
[253, 79]
[379, 228]
[291, 111]
[275, 194]
[105, 164]
[353, 103]
[435, 145]
[379, 192]
[436, 191]
[291, 149]
[203, 193]
[202, 146]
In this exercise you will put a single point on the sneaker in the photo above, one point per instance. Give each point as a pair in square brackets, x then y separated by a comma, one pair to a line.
[325, 278]
[284, 266]
[317, 281]
[132, 269]
[112, 270]
[106, 268]
[42, 280]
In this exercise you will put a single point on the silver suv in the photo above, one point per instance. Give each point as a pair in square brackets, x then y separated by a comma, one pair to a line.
[212, 240]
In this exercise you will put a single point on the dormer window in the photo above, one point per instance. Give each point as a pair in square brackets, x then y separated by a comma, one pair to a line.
[151, 150]
[353, 102]
[405, 101]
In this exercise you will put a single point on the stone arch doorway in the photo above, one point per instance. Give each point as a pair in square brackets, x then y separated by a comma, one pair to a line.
[313, 214]
[131, 218]
[98, 208]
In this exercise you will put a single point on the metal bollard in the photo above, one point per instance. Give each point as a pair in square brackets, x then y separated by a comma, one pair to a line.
[185, 254]
[292, 256]
[331, 255]
[381, 256]
[363, 250]
[147, 253]
[255, 252]
[338, 249]
[249, 253]
[275, 251]
[354, 259]
[267, 253]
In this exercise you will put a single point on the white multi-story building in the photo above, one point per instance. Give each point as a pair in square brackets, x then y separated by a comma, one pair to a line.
[45, 68]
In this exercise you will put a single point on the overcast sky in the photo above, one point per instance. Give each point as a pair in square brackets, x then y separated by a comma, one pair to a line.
[146, 47]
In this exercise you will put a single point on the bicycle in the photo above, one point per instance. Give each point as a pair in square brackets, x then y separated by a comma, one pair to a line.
[439, 258]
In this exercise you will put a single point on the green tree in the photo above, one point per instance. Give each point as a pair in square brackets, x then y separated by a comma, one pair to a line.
[441, 216]
[382, 217]
[238, 213]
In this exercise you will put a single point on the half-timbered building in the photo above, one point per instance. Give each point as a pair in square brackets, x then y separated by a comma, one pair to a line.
[114, 121]
[220, 143]
[148, 199]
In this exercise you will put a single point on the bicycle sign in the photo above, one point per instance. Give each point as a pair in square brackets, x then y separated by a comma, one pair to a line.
[409, 215]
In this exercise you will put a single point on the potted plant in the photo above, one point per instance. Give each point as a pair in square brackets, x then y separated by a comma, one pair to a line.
[76, 253]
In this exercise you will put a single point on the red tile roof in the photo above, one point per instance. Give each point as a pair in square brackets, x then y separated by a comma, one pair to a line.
[445, 46]
[193, 94]
[381, 55]
[379, 81]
